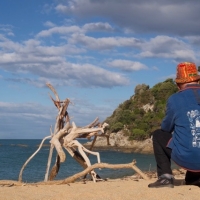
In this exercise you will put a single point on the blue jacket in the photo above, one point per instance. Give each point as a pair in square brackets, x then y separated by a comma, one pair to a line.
[183, 121]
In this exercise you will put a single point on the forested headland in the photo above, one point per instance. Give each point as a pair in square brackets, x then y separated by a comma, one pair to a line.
[140, 115]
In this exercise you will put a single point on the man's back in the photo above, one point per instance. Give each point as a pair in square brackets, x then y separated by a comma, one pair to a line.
[183, 117]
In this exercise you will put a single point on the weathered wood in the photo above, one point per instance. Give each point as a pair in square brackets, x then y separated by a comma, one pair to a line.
[77, 156]
[53, 90]
[49, 162]
[9, 183]
[55, 141]
[64, 108]
[49, 158]
[55, 169]
[75, 132]
[58, 125]
[143, 175]
[74, 177]
[92, 145]
[71, 179]
[21, 171]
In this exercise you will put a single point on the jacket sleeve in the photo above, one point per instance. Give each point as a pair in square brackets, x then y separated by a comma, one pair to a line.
[169, 119]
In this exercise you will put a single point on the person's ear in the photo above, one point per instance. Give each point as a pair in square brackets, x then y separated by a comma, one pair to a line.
[178, 86]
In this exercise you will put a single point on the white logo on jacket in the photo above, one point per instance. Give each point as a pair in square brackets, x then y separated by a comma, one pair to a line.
[194, 119]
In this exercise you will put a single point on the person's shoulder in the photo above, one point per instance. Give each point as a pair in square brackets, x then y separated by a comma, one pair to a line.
[174, 98]
[175, 95]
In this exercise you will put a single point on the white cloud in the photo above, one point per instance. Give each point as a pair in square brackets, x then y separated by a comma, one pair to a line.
[97, 27]
[49, 24]
[63, 9]
[30, 120]
[6, 29]
[50, 62]
[104, 42]
[167, 47]
[127, 65]
[64, 30]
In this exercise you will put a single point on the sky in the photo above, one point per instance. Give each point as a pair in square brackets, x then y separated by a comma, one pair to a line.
[94, 52]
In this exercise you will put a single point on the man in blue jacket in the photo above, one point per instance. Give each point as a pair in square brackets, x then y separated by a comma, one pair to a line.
[179, 136]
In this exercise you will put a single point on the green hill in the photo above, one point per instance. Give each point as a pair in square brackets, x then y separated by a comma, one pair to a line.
[143, 112]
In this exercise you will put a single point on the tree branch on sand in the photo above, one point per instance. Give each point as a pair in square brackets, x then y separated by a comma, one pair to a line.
[106, 165]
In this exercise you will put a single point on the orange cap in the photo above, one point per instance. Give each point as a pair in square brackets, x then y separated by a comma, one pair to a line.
[186, 72]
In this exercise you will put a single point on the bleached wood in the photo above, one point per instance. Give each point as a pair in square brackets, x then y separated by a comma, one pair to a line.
[55, 141]
[21, 171]
[53, 90]
[49, 162]
[49, 158]
[143, 175]
[75, 132]
[55, 168]
[82, 151]
[71, 179]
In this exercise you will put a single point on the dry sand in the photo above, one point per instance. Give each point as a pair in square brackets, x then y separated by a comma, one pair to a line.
[117, 189]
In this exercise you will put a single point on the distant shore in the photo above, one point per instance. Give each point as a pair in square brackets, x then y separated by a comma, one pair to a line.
[119, 142]
[121, 149]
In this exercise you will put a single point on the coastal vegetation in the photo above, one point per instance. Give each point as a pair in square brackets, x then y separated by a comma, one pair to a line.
[138, 116]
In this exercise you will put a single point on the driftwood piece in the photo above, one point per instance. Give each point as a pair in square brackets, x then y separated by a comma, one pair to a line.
[82, 151]
[21, 171]
[53, 90]
[132, 165]
[56, 142]
[73, 178]
[55, 168]
[69, 141]
[49, 159]
[62, 108]
[49, 162]
[75, 132]
[58, 125]
[69, 136]
[9, 183]
[93, 142]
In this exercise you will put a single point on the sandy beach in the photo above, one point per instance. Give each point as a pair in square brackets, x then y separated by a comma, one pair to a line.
[112, 189]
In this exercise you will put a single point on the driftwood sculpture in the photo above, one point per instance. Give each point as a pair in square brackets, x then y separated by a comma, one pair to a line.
[65, 136]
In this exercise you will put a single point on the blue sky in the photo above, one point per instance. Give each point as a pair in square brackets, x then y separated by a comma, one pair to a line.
[93, 52]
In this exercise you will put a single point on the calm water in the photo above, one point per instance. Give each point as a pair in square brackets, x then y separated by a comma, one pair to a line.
[14, 153]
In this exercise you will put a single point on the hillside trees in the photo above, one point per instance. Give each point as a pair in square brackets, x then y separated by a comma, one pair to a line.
[143, 112]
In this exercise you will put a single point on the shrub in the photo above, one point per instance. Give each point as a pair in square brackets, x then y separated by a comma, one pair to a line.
[138, 134]
[117, 127]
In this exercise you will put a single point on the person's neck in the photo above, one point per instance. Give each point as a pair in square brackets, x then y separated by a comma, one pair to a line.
[184, 85]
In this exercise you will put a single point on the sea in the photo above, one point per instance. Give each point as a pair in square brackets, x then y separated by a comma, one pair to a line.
[14, 153]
